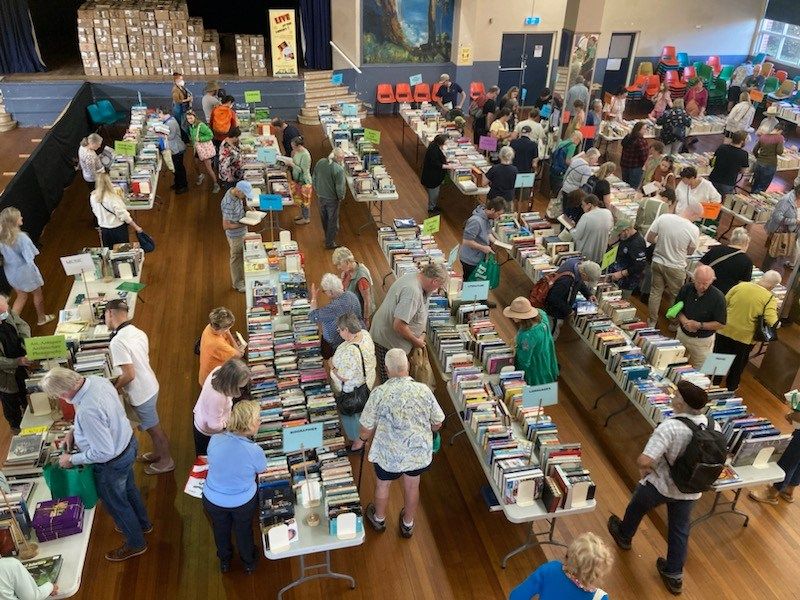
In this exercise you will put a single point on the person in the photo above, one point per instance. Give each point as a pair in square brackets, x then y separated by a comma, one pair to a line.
[664, 174]
[561, 161]
[329, 184]
[675, 237]
[534, 350]
[230, 159]
[353, 365]
[783, 219]
[754, 81]
[402, 317]
[400, 418]
[450, 93]
[508, 98]
[592, 231]
[738, 76]
[573, 205]
[740, 118]
[478, 237]
[769, 146]
[545, 97]
[16, 582]
[634, 155]
[529, 117]
[654, 157]
[105, 440]
[111, 213]
[301, 178]
[289, 132]
[181, 99]
[526, 156]
[356, 278]
[593, 119]
[130, 353]
[210, 99]
[433, 168]
[213, 407]
[578, 92]
[587, 563]
[694, 190]
[703, 313]
[577, 119]
[233, 207]
[615, 109]
[578, 276]
[502, 178]
[650, 208]
[480, 125]
[661, 101]
[88, 159]
[628, 269]
[790, 463]
[770, 120]
[674, 123]
[730, 160]
[230, 494]
[176, 148]
[13, 365]
[223, 118]
[696, 99]
[745, 303]
[217, 345]
[599, 184]
[202, 138]
[18, 254]
[342, 302]
[500, 128]
[666, 444]
[730, 262]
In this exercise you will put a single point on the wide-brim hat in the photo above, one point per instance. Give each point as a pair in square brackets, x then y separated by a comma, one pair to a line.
[212, 86]
[520, 308]
[772, 110]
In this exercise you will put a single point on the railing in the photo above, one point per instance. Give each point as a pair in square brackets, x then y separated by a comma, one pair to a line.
[344, 56]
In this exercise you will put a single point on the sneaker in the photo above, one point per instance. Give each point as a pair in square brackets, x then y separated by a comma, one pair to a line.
[434, 212]
[301, 221]
[786, 496]
[200, 179]
[250, 569]
[215, 189]
[124, 553]
[180, 191]
[148, 530]
[45, 320]
[379, 526]
[405, 530]
[767, 495]
[614, 527]
[224, 566]
[673, 584]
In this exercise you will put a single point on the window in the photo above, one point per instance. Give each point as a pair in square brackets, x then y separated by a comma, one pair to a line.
[780, 41]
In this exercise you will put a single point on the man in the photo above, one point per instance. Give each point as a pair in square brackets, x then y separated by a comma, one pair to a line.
[176, 148]
[104, 439]
[130, 352]
[233, 211]
[529, 117]
[578, 91]
[574, 276]
[783, 219]
[579, 170]
[223, 119]
[401, 318]
[675, 237]
[769, 122]
[702, 314]
[210, 99]
[13, 330]
[289, 132]
[591, 233]
[480, 126]
[400, 418]
[730, 160]
[478, 237]
[450, 93]
[668, 442]
[526, 155]
[329, 183]
[754, 81]
[628, 268]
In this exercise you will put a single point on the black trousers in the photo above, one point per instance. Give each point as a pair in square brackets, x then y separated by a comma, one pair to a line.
[13, 407]
[741, 352]
[467, 270]
[238, 520]
[115, 235]
[200, 442]
[180, 171]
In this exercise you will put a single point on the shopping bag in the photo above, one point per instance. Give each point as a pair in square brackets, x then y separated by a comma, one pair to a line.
[77, 481]
[781, 244]
[419, 367]
[487, 270]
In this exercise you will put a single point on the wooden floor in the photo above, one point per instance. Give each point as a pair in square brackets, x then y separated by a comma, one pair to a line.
[457, 546]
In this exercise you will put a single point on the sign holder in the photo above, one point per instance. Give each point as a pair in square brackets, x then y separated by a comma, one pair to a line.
[82, 269]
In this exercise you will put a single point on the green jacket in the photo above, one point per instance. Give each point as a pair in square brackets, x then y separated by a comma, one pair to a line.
[329, 180]
[301, 172]
[200, 132]
[8, 366]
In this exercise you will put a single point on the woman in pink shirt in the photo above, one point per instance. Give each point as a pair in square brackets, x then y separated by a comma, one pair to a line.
[696, 100]
[213, 407]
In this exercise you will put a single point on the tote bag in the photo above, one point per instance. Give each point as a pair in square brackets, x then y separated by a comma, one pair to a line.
[77, 481]
[487, 270]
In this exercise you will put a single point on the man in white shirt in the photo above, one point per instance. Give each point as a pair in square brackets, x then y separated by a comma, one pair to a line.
[676, 237]
[694, 190]
[530, 117]
[668, 442]
[130, 352]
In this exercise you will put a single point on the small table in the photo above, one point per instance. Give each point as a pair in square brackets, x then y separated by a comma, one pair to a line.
[373, 200]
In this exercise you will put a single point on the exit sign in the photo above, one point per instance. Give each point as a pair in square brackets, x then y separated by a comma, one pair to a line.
[533, 20]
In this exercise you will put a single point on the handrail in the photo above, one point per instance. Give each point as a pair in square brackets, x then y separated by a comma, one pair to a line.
[344, 56]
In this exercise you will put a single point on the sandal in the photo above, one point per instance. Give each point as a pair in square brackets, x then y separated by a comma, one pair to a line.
[151, 469]
[147, 457]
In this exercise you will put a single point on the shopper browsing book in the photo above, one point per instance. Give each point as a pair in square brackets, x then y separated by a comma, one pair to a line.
[202, 138]
[592, 231]
[217, 344]
[213, 407]
[572, 277]
[13, 363]
[534, 352]
[302, 190]
[730, 261]
[176, 148]
[234, 209]
[111, 213]
[230, 159]
[16, 583]
[628, 268]
[789, 462]
[329, 184]
[703, 313]
[356, 278]
[340, 302]
[288, 132]
[478, 237]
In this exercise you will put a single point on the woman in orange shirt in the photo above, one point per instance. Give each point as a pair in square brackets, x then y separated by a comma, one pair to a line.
[217, 344]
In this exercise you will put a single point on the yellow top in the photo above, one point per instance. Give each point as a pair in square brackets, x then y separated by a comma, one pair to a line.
[746, 302]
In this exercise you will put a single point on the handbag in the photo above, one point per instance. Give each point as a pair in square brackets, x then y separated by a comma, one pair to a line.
[419, 367]
[352, 403]
[77, 481]
[147, 243]
[764, 331]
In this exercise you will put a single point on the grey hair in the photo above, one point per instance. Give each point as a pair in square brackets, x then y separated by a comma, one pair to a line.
[342, 254]
[350, 322]
[700, 269]
[597, 102]
[740, 237]
[331, 283]
[693, 211]
[58, 382]
[435, 271]
[230, 377]
[677, 103]
[92, 138]
[396, 362]
[506, 155]
[336, 154]
[770, 279]
[221, 318]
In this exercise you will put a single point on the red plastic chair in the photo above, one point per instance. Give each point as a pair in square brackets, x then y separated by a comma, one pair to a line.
[668, 56]
[638, 83]
[385, 95]
[402, 93]
[653, 83]
[435, 91]
[422, 92]
[715, 64]
[781, 75]
[673, 80]
[689, 73]
[476, 90]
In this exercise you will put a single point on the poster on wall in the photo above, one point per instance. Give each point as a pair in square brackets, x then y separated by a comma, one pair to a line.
[282, 43]
[407, 31]
[464, 55]
[582, 59]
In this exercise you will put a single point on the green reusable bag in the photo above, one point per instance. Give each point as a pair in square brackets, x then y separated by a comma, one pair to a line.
[437, 442]
[487, 270]
[77, 481]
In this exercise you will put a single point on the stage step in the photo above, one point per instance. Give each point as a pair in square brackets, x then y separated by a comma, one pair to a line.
[314, 102]
[333, 92]
[320, 90]
[317, 75]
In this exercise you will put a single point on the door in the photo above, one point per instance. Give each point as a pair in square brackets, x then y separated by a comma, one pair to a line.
[524, 62]
[512, 61]
[620, 54]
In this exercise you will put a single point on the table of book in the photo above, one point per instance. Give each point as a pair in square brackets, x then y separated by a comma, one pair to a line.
[614, 131]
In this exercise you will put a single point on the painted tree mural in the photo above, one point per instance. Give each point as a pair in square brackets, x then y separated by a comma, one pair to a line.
[398, 31]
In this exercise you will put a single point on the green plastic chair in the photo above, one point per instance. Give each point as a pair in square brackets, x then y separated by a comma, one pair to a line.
[771, 84]
[705, 72]
[697, 64]
[726, 73]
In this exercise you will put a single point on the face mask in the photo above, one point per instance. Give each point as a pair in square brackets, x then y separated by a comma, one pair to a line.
[3, 316]
[179, 83]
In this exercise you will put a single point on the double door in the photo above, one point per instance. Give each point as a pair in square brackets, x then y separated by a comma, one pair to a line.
[525, 63]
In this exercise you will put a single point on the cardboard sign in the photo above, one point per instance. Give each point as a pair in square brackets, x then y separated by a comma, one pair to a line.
[487, 142]
[252, 96]
[415, 79]
[266, 155]
[349, 110]
[717, 364]
[304, 436]
[473, 291]
[337, 78]
[125, 147]
[431, 225]
[524, 180]
[589, 131]
[756, 95]
[545, 111]
[372, 135]
[464, 55]
[609, 258]
[269, 202]
[540, 395]
[46, 346]
[77, 263]
[451, 258]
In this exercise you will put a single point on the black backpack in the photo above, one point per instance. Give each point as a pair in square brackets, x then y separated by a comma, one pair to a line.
[701, 463]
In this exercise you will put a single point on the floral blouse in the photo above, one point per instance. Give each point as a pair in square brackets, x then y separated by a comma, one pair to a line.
[230, 163]
[346, 372]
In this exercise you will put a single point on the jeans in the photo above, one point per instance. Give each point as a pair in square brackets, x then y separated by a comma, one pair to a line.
[329, 212]
[114, 235]
[305, 211]
[467, 270]
[14, 404]
[433, 197]
[762, 176]
[663, 277]
[790, 463]
[679, 512]
[633, 176]
[741, 351]
[117, 488]
[239, 520]
[237, 262]
[180, 171]
[723, 188]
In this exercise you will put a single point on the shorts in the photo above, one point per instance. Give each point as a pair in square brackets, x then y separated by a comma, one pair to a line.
[147, 413]
[383, 475]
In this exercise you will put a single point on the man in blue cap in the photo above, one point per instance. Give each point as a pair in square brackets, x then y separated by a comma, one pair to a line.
[233, 210]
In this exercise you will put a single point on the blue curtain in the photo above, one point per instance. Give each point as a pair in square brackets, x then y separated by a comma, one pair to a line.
[18, 52]
[316, 20]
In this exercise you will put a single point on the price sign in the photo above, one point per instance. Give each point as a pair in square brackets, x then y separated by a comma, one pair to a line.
[46, 346]
[305, 436]
[273, 202]
[415, 79]
[717, 364]
[540, 395]
[431, 225]
[473, 291]
[77, 263]
[524, 180]
[266, 155]
[487, 142]
[337, 78]
[125, 147]
[609, 258]
[349, 110]
[372, 135]
[252, 96]
[451, 258]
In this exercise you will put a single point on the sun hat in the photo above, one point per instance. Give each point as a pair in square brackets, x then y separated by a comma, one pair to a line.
[772, 110]
[246, 187]
[520, 308]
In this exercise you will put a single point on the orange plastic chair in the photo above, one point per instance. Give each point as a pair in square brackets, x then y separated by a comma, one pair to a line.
[385, 95]
[402, 93]
[689, 73]
[653, 83]
[715, 64]
[476, 90]
[673, 80]
[435, 91]
[637, 84]
[781, 75]
[422, 92]
[766, 69]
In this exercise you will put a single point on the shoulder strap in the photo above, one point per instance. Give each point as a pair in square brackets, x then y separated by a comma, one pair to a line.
[598, 594]
[724, 258]
[363, 366]
[691, 424]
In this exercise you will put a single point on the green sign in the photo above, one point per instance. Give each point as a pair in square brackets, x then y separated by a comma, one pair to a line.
[431, 225]
[46, 346]
[125, 147]
[609, 258]
[252, 96]
[372, 135]
[130, 286]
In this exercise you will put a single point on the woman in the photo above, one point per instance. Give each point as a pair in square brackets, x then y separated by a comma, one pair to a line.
[230, 159]
[341, 302]
[693, 189]
[510, 96]
[664, 174]
[578, 119]
[593, 119]
[356, 278]
[89, 160]
[500, 129]
[696, 99]
[573, 207]
[535, 351]
[18, 263]
[730, 262]
[230, 495]
[661, 101]
[202, 138]
[674, 123]
[599, 184]
[560, 160]
[789, 462]
[784, 219]
[213, 407]
[353, 365]
[111, 213]
[635, 152]
[615, 109]
[545, 97]
[433, 167]
[768, 148]
[740, 118]
[217, 345]
[651, 208]
[301, 178]
[588, 561]
[502, 178]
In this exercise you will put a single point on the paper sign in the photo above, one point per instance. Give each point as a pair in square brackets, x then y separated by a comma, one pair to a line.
[272, 202]
[537, 51]
[372, 135]
[46, 346]
[588, 131]
[609, 258]
[337, 78]
[305, 436]
[415, 79]
[524, 180]
[614, 64]
[717, 364]
[545, 111]
[451, 258]
[565, 116]
[252, 96]
[536, 395]
[77, 263]
[487, 142]
[266, 155]
[464, 55]
[125, 147]
[473, 291]
[349, 110]
[650, 188]
[431, 225]
[756, 95]
[522, 93]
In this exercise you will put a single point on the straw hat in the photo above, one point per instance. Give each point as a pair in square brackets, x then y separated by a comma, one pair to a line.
[212, 86]
[772, 110]
[520, 308]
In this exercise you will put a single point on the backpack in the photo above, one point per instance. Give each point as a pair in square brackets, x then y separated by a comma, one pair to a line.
[541, 288]
[701, 463]
[475, 109]
[221, 121]
[588, 186]
[558, 161]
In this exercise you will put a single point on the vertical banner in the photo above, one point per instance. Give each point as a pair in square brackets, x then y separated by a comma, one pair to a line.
[282, 42]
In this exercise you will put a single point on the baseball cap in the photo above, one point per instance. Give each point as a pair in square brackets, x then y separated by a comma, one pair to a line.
[694, 396]
[621, 225]
[245, 187]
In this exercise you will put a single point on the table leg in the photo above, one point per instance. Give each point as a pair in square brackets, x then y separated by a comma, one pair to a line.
[617, 412]
[731, 509]
[326, 573]
[534, 540]
[603, 395]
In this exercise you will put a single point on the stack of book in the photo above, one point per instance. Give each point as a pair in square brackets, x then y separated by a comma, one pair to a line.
[339, 490]
[26, 456]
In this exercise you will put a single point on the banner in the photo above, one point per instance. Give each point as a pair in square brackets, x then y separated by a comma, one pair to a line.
[282, 43]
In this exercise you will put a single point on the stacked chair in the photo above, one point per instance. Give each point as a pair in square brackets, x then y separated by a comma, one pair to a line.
[668, 61]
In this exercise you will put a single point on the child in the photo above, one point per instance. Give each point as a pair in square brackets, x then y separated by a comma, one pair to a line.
[661, 101]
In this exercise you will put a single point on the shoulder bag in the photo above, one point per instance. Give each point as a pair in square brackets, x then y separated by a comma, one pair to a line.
[723, 258]
[352, 403]
[764, 331]
[781, 242]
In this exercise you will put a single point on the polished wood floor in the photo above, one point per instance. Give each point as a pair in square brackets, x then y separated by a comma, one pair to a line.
[458, 544]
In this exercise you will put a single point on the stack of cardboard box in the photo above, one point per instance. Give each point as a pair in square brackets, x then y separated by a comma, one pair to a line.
[140, 38]
[251, 59]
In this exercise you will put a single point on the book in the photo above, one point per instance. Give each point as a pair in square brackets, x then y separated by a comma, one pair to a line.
[44, 570]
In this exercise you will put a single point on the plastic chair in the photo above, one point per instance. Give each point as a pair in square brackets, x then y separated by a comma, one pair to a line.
[767, 68]
[697, 64]
[683, 59]
[435, 91]
[402, 93]
[645, 68]
[714, 63]
[638, 84]
[668, 54]
[726, 73]
[653, 83]
[673, 80]
[422, 92]
[759, 58]
[705, 72]
[770, 85]
[476, 90]
[689, 72]
[385, 95]
[781, 75]
[108, 114]
[786, 89]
